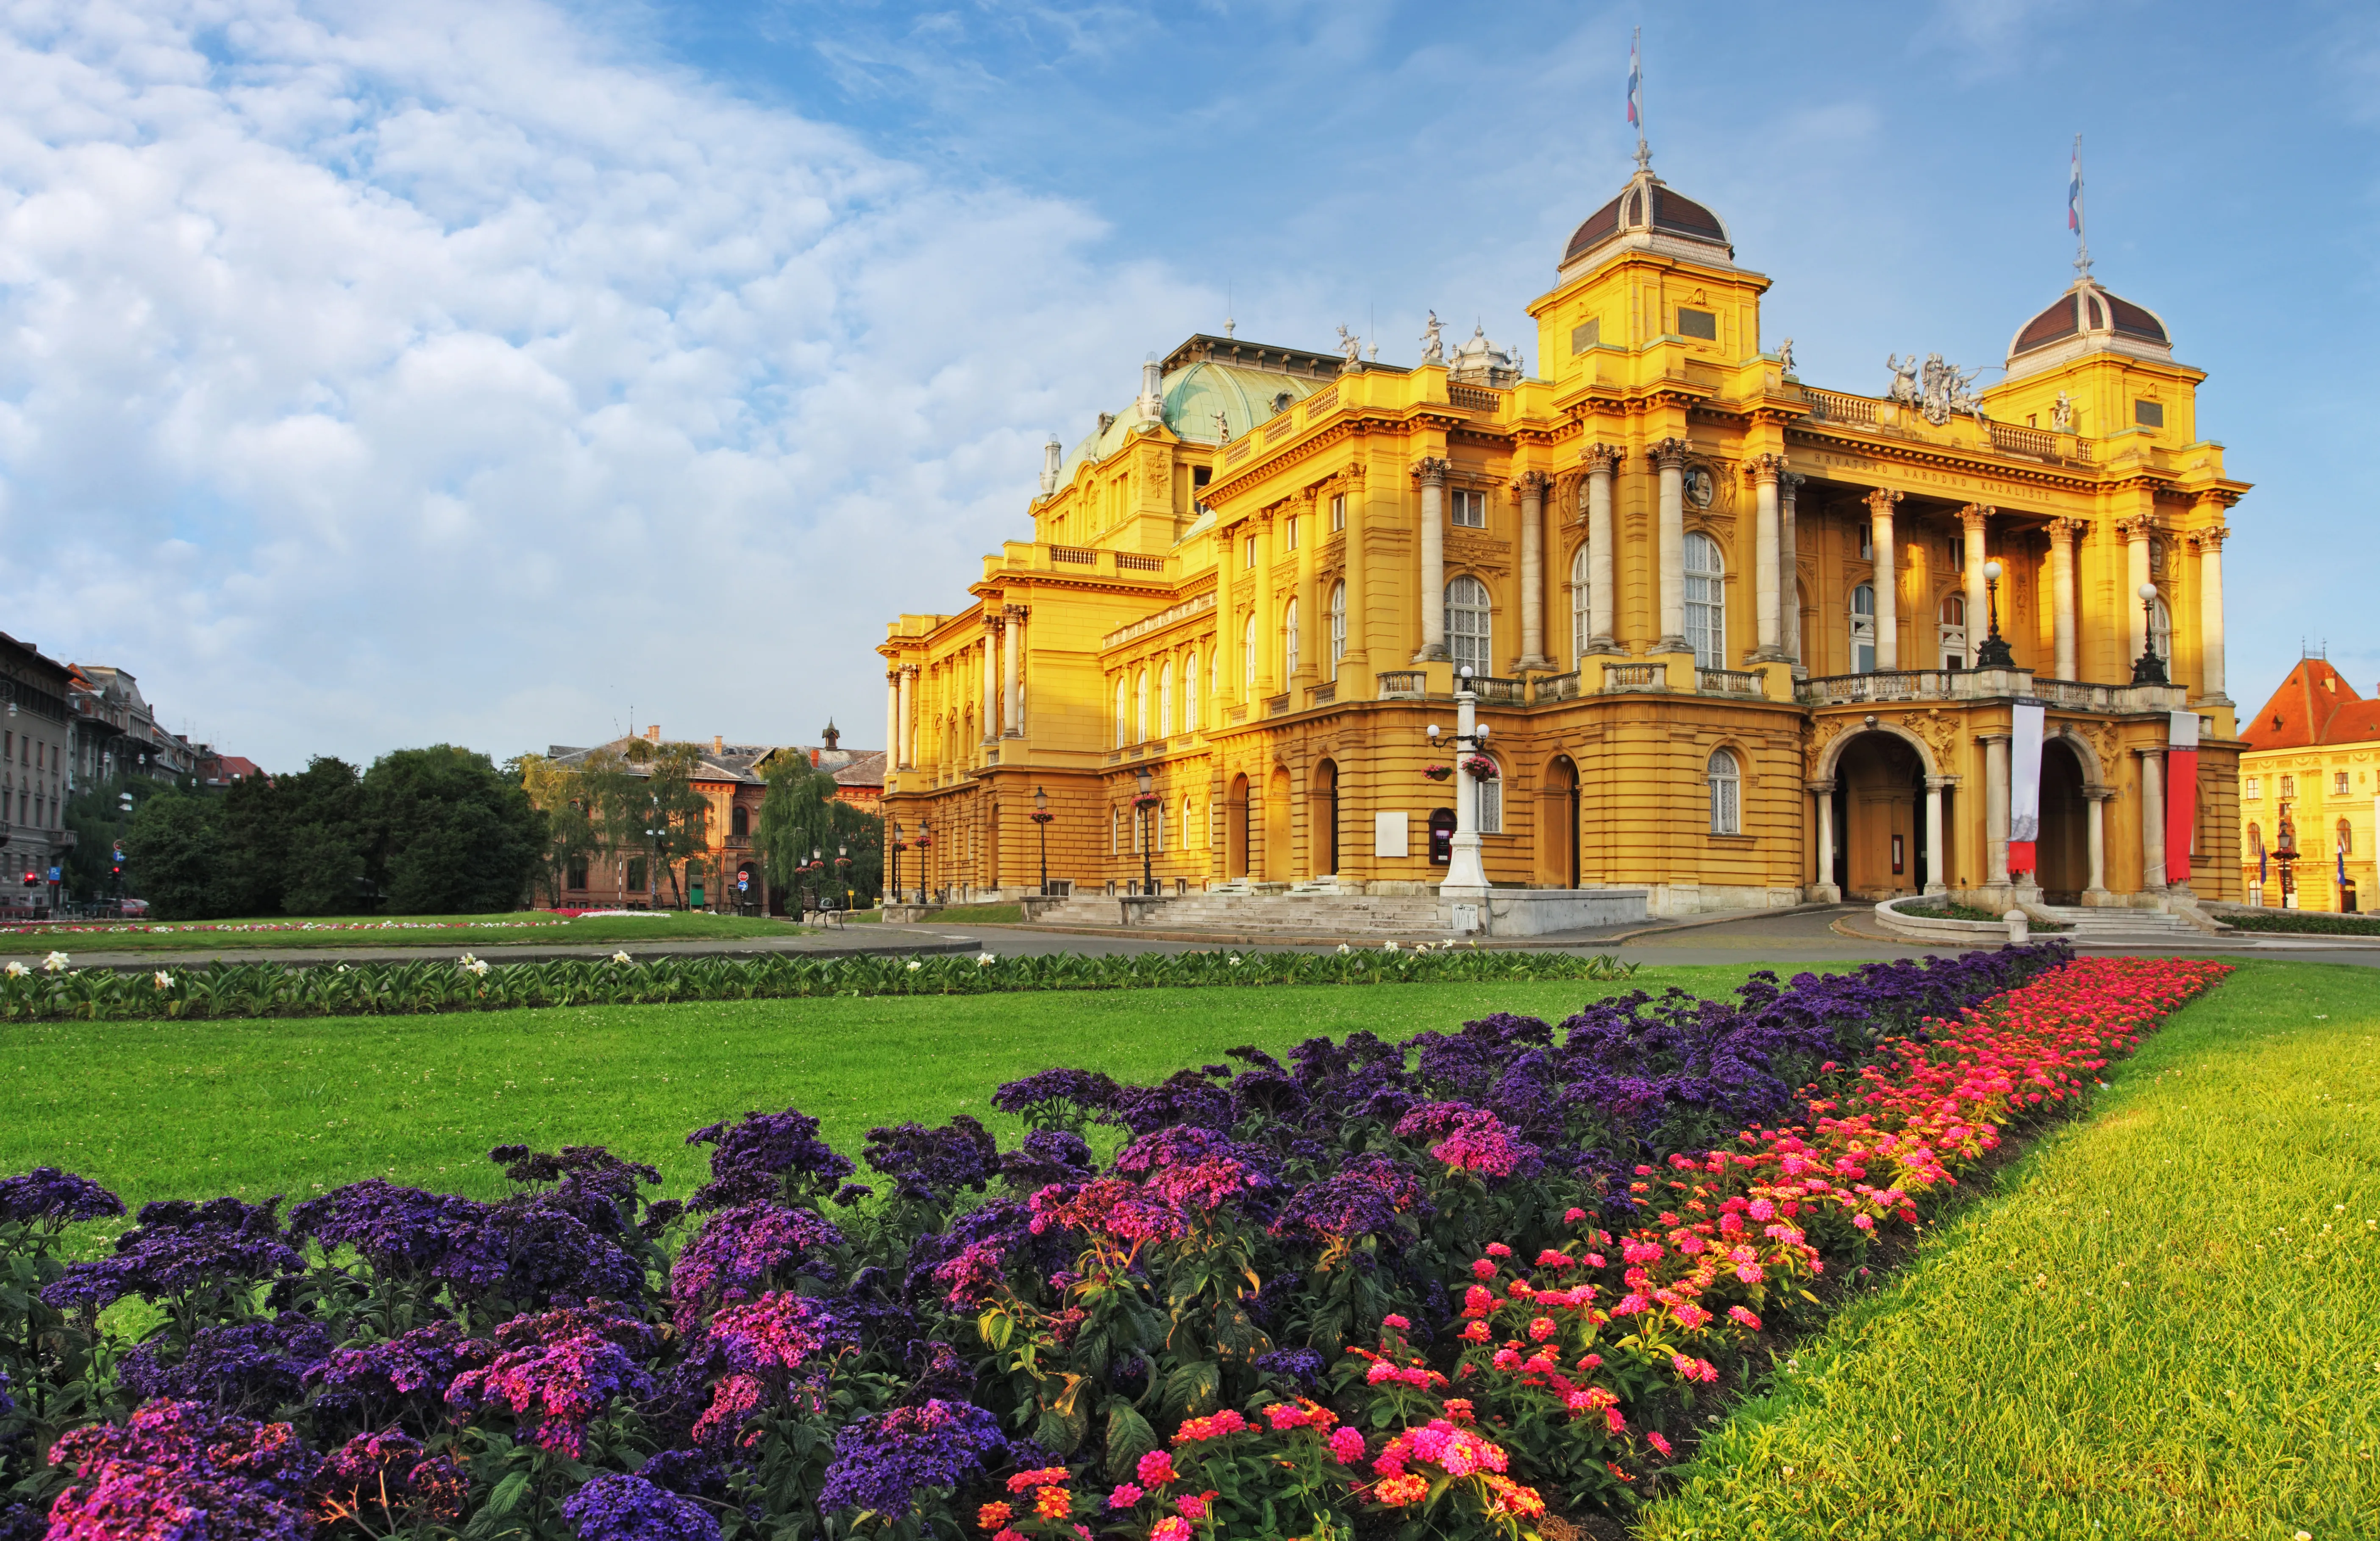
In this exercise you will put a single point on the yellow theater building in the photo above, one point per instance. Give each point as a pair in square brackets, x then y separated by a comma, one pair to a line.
[1728, 633]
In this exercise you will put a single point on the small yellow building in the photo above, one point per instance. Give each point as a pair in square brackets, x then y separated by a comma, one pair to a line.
[2311, 762]
[1728, 630]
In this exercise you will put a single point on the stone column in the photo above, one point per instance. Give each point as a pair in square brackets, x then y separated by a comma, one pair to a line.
[1531, 486]
[1769, 598]
[1978, 622]
[908, 757]
[892, 717]
[1670, 457]
[1011, 643]
[1824, 891]
[1601, 599]
[2097, 797]
[1789, 566]
[1268, 611]
[2152, 820]
[1226, 662]
[991, 718]
[1887, 581]
[1996, 810]
[2209, 542]
[1355, 677]
[1934, 860]
[1431, 475]
[2136, 572]
[1313, 609]
[2063, 533]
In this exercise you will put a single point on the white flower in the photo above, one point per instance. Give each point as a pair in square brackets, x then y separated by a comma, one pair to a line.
[164, 980]
[1236, 961]
[1388, 947]
[341, 969]
[914, 965]
[985, 960]
[622, 956]
[55, 963]
[17, 970]
[1345, 950]
[475, 966]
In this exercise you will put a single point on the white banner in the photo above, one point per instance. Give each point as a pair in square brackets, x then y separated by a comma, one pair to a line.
[2024, 772]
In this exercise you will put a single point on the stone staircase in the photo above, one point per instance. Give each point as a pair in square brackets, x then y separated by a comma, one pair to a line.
[1315, 912]
[2123, 928]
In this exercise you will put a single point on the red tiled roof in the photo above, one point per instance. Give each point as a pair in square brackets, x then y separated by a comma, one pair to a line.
[2315, 706]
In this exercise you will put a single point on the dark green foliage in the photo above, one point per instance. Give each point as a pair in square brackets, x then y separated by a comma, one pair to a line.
[173, 851]
[448, 833]
[2313, 922]
[323, 835]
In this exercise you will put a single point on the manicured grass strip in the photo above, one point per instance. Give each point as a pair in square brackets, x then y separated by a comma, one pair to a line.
[520, 928]
[2314, 924]
[157, 1110]
[2166, 1323]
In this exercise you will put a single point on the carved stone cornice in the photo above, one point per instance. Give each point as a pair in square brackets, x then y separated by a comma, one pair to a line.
[1975, 514]
[1766, 467]
[2211, 539]
[1600, 459]
[1432, 470]
[1670, 455]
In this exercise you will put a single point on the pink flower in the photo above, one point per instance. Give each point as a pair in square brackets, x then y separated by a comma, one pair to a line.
[1171, 1528]
[1571, 1216]
[1396, 1322]
[1744, 1317]
[1483, 1269]
[1194, 1505]
[1347, 1445]
[1498, 1249]
[1866, 1223]
[1124, 1497]
[1653, 1438]
[1156, 1469]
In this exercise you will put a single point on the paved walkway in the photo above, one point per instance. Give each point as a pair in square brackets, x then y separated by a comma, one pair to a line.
[848, 941]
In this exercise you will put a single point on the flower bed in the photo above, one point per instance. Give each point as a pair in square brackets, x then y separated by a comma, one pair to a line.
[1455, 1281]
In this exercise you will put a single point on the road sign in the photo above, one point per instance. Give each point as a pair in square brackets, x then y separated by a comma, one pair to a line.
[56, 875]
[743, 883]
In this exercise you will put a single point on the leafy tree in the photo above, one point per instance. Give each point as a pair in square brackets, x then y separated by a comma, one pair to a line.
[174, 849]
[798, 814]
[666, 811]
[572, 800]
[323, 840]
[97, 815]
[448, 833]
[252, 848]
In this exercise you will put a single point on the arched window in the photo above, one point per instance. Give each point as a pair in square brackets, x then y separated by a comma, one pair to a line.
[1248, 651]
[1164, 701]
[1468, 624]
[1140, 718]
[1954, 631]
[1726, 794]
[1491, 802]
[1706, 601]
[1864, 629]
[1115, 831]
[1190, 693]
[1122, 723]
[1289, 642]
[2256, 839]
[739, 823]
[1582, 616]
[2161, 631]
[2346, 839]
[1185, 824]
[1337, 627]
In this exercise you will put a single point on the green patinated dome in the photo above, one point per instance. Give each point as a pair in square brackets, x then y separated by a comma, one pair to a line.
[1191, 397]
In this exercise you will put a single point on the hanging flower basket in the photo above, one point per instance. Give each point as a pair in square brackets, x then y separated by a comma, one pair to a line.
[1146, 800]
[1482, 768]
[1438, 772]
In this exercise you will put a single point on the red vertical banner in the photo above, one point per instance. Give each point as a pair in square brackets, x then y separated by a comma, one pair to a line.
[2180, 794]
[2024, 785]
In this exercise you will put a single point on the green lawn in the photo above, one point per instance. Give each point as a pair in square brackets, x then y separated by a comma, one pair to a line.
[2164, 1322]
[525, 928]
[158, 1109]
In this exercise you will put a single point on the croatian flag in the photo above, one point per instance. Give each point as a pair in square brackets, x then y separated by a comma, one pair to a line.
[2073, 189]
[2024, 786]
[1635, 81]
[2180, 794]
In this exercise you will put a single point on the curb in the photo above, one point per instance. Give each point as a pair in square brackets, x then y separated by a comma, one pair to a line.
[530, 954]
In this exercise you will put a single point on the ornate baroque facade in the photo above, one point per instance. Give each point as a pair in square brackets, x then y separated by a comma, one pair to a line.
[2311, 763]
[1730, 630]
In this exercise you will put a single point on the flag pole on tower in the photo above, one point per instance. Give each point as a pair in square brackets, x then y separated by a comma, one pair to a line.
[1636, 98]
[2074, 211]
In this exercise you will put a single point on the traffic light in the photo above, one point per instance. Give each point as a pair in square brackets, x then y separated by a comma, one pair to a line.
[32, 879]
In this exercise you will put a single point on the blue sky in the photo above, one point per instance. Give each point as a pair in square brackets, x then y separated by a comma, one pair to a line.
[373, 375]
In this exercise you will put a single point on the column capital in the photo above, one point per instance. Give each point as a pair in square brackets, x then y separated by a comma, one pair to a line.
[2063, 531]
[2139, 528]
[1670, 455]
[1936, 784]
[1988, 739]
[1790, 482]
[1880, 501]
[1821, 787]
[910, 670]
[1431, 471]
[1529, 482]
[2211, 539]
[1975, 514]
[1599, 458]
[1766, 467]
[1017, 611]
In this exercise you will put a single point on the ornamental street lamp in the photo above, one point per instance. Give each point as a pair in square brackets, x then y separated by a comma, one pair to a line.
[1140, 806]
[2284, 856]
[843, 873]
[1462, 867]
[924, 844]
[893, 887]
[1042, 815]
[2148, 669]
[1995, 653]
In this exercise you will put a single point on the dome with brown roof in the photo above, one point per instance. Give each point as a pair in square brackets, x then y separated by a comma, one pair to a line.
[2086, 319]
[1649, 212]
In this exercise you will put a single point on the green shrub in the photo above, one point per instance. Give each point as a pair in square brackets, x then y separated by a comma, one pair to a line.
[2317, 923]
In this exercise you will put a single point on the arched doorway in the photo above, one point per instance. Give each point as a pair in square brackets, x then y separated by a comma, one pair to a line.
[1879, 803]
[1323, 821]
[2064, 848]
[1277, 835]
[1236, 829]
[1557, 828]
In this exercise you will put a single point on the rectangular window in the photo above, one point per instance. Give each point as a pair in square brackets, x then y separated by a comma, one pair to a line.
[577, 877]
[1491, 806]
[635, 873]
[2255, 788]
[2339, 784]
[2288, 786]
[1698, 323]
[1470, 509]
[1584, 335]
[1252, 550]
[1289, 534]
[1337, 511]
[1867, 543]
[2149, 414]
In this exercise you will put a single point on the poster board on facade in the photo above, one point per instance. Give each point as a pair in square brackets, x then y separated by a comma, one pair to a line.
[1389, 836]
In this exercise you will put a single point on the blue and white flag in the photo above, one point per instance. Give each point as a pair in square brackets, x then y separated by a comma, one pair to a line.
[2073, 189]
[1635, 82]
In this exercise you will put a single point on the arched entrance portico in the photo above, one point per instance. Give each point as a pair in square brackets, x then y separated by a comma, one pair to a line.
[1880, 811]
[1278, 857]
[1236, 829]
[1557, 825]
[2064, 848]
[1322, 819]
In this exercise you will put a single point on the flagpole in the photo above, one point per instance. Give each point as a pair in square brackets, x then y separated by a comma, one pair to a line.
[2082, 232]
[1636, 96]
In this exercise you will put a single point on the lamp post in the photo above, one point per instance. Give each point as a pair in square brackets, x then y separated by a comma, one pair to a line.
[1995, 653]
[1042, 815]
[1462, 867]
[1140, 806]
[2284, 856]
[843, 872]
[893, 883]
[925, 844]
[2148, 669]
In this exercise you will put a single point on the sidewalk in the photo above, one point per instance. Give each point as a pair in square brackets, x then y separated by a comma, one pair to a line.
[850, 942]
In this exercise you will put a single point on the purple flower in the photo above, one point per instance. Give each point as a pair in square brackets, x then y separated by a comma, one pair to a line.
[1047, 1156]
[969, 1262]
[253, 1367]
[175, 1469]
[778, 1333]
[179, 1248]
[424, 1360]
[384, 1480]
[1473, 1140]
[617, 1506]
[1058, 1099]
[402, 1233]
[1193, 1168]
[558, 1370]
[50, 1200]
[1186, 1096]
[1300, 1369]
[880, 1464]
[932, 1165]
[766, 1156]
[742, 1251]
[1363, 1199]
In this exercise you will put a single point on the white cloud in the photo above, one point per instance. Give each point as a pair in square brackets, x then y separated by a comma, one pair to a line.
[373, 374]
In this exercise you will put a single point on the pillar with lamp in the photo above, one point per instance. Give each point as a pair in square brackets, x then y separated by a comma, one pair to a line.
[1041, 816]
[1144, 804]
